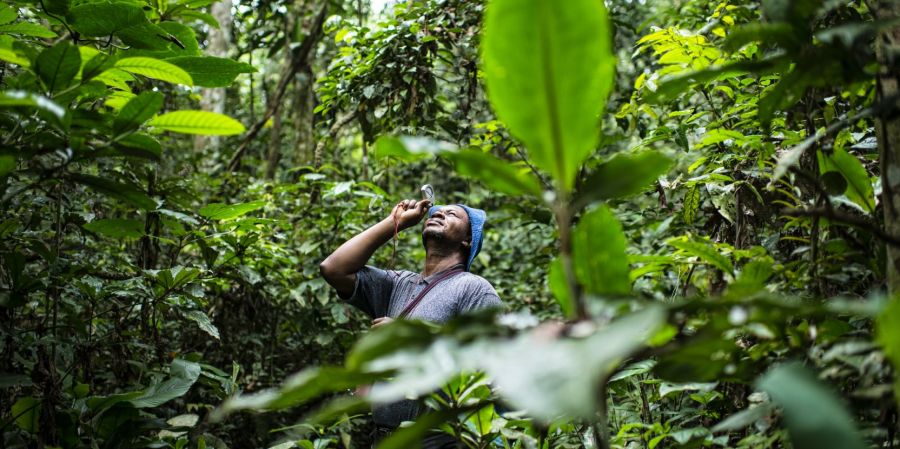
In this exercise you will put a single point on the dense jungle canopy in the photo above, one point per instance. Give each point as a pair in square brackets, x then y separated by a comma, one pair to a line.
[693, 220]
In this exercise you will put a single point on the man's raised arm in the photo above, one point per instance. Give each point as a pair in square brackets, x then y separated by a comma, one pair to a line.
[339, 269]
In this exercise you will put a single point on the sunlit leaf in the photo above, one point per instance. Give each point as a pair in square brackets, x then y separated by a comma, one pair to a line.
[156, 69]
[549, 68]
[27, 29]
[197, 122]
[598, 253]
[7, 14]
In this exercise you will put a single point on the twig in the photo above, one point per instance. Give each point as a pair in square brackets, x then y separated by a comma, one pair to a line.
[332, 131]
[300, 59]
[836, 215]
[537, 174]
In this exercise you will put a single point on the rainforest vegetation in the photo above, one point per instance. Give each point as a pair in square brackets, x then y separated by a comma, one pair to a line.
[693, 220]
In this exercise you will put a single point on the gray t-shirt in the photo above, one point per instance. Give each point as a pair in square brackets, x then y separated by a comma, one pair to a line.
[385, 293]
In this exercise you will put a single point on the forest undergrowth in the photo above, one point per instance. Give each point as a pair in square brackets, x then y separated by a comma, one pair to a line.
[693, 220]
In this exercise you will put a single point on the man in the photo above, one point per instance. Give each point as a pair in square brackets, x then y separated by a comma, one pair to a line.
[444, 289]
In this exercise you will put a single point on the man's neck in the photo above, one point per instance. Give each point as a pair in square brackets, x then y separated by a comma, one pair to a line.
[439, 259]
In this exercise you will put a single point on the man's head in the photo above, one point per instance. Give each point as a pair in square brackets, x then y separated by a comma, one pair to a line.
[456, 226]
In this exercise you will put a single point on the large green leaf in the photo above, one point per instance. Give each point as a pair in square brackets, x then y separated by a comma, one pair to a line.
[182, 374]
[209, 71]
[598, 253]
[814, 416]
[623, 175]
[495, 173]
[137, 111]
[197, 122]
[549, 68]
[156, 69]
[220, 211]
[7, 14]
[859, 187]
[117, 227]
[102, 18]
[58, 65]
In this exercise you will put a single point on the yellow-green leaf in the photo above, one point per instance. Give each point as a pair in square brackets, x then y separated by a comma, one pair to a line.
[197, 122]
[156, 69]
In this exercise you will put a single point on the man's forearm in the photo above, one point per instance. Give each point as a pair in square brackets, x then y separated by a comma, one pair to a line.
[354, 253]
[339, 269]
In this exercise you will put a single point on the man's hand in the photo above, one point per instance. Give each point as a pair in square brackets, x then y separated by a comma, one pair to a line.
[378, 322]
[409, 213]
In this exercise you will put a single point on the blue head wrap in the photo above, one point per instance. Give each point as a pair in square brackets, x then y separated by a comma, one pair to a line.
[477, 218]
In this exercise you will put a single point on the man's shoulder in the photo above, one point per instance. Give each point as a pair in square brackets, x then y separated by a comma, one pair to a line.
[475, 280]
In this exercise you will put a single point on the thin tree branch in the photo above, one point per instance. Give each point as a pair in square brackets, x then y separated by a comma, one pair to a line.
[332, 131]
[300, 60]
[838, 216]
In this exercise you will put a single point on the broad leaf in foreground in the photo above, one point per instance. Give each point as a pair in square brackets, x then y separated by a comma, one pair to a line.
[814, 416]
[549, 68]
[598, 253]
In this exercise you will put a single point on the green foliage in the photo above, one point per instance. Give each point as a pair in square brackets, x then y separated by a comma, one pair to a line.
[549, 70]
[197, 122]
[798, 392]
[599, 253]
[701, 214]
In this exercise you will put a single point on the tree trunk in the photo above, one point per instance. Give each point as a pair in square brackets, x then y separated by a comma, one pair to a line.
[213, 99]
[304, 119]
[888, 127]
[290, 25]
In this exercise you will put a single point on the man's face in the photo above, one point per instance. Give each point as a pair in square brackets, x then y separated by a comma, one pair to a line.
[449, 223]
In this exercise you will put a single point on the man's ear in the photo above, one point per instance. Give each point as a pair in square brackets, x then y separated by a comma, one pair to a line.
[466, 243]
